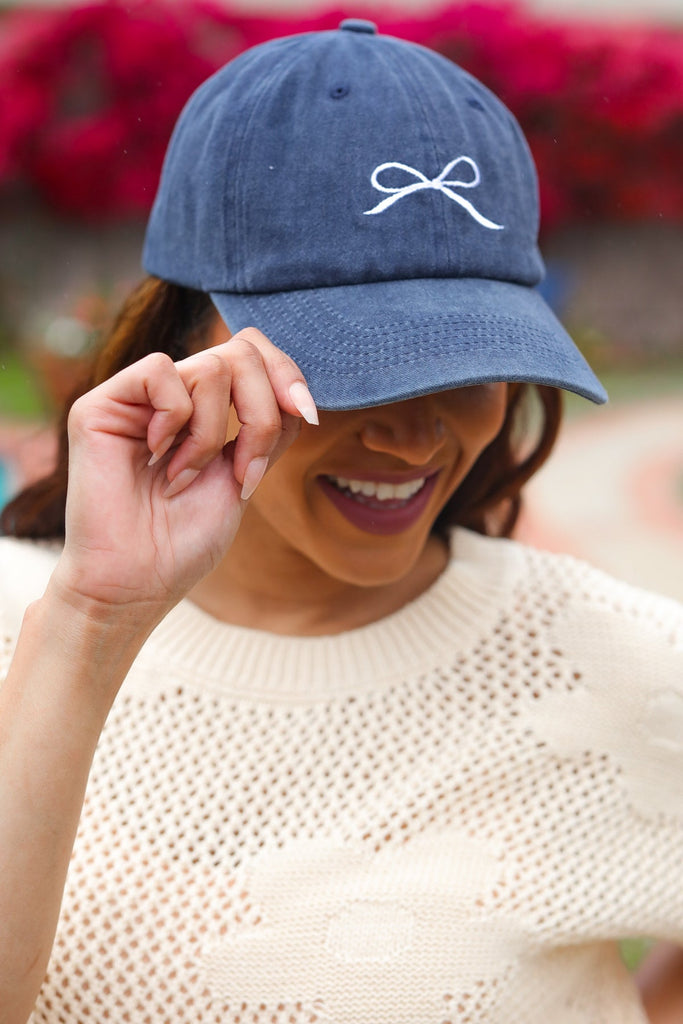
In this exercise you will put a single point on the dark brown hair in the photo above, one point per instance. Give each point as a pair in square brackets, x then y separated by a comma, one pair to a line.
[163, 317]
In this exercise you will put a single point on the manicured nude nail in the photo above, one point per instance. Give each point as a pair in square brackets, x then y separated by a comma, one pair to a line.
[161, 450]
[183, 480]
[253, 476]
[303, 400]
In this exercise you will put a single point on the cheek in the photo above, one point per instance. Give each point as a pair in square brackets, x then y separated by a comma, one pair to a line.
[282, 496]
[233, 425]
[477, 413]
[494, 406]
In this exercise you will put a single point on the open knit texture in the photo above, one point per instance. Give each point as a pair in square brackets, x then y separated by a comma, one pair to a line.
[446, 816]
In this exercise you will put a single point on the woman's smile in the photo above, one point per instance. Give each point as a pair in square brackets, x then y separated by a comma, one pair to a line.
[380, 505]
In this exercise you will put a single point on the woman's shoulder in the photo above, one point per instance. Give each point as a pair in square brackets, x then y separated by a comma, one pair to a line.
[603, 661]
[25, 568]
[570, 582]
[614, 638]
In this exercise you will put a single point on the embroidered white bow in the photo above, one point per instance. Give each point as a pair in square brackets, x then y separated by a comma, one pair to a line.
[442, 183]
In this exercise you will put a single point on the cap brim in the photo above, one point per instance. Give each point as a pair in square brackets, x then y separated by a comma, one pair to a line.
[369, 344]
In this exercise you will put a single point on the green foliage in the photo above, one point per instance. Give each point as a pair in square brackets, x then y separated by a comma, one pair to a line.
[633, 951]
[20, 395]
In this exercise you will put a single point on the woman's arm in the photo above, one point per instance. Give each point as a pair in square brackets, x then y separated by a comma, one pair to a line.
[66, 670]
[138, 538]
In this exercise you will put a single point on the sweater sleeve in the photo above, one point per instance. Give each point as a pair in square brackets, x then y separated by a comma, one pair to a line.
[8, 628]
[624, 647]
[6, 647]
[25, 568]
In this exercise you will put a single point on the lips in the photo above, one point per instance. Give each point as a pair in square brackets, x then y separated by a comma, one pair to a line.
[379, 506]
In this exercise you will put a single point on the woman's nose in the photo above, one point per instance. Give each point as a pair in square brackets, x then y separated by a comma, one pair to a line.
[411, 430]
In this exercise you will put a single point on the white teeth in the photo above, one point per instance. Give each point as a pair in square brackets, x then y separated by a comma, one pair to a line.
[379, 491]
[407, 490]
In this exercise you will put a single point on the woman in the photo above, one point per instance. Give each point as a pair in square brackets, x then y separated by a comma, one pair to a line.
[343, 762]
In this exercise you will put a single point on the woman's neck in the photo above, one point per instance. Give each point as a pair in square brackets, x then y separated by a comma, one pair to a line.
[296, 598]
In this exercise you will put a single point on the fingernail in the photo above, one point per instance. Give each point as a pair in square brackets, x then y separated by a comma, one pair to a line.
[161, 450]
[303, 400]
[253, 476]
[183, 480]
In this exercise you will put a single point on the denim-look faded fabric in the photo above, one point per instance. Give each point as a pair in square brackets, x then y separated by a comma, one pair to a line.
[373, 209]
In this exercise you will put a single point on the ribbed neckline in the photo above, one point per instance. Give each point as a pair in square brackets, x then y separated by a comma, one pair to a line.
[445, 620]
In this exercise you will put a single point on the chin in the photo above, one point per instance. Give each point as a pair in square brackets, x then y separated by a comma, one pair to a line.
[374, 568]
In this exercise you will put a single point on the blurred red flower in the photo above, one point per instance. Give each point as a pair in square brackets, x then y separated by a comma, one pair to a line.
[95, 90]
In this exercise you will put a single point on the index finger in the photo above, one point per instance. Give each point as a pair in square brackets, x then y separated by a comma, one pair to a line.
[287, 381]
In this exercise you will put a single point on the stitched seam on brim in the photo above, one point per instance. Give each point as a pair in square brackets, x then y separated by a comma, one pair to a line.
[413, 351]
[315, 309]
[479, 325]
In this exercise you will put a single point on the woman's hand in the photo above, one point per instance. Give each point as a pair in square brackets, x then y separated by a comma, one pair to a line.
[155, 495]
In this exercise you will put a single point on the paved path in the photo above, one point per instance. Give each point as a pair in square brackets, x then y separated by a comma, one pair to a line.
[612, 493]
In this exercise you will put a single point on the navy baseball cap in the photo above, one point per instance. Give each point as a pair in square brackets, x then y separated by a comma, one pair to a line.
[373, 209]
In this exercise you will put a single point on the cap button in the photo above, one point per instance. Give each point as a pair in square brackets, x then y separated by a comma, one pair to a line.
[358, 25]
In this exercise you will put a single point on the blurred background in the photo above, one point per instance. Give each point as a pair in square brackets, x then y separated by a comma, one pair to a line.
[90, 92]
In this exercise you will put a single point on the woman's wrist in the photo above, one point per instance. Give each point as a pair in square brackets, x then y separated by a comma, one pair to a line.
[91, 618]
[86, 646]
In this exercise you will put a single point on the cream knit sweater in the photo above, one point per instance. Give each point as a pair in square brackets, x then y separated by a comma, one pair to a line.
[447, 816]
